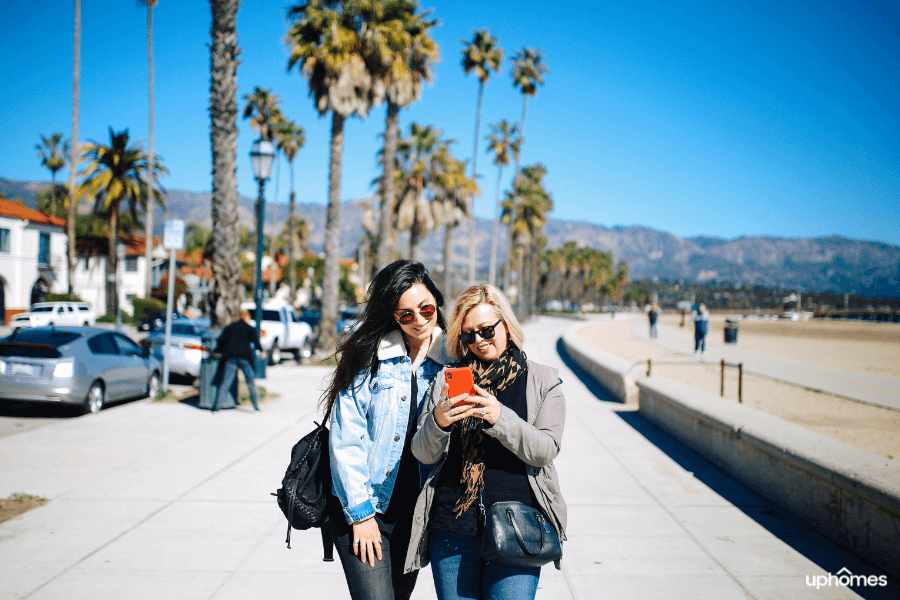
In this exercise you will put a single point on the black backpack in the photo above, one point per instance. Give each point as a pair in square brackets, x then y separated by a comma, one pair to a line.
[306, 487]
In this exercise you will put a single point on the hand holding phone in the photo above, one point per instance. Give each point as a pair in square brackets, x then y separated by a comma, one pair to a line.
[460, 381]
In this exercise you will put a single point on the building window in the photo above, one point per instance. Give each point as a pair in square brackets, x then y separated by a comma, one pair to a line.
[44, 249]
[131, 264]
[4, 240]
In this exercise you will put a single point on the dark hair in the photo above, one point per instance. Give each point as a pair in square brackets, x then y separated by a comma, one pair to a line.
[359, 351]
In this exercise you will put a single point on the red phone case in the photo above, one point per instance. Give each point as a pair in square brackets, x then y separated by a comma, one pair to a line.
[459, 381]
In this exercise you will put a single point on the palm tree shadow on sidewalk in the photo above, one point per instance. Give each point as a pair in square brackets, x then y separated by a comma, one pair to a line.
[774, 518]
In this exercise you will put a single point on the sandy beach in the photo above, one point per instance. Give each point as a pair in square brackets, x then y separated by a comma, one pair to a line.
[857, 346]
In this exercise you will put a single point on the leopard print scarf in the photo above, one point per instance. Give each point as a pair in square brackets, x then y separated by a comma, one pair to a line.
[493, 377]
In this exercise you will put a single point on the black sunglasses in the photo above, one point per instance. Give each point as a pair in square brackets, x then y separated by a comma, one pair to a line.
[408, 316]
[486, 333]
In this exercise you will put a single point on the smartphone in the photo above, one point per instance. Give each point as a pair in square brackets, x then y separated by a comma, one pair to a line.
[460, 381]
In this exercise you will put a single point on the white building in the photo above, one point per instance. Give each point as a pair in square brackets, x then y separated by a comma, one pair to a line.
[32, 257]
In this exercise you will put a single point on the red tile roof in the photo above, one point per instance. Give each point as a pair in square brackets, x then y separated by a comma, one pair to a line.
[17, 211]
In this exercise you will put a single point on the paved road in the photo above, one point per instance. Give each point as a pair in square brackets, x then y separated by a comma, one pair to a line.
[151, 500]
[862, 387]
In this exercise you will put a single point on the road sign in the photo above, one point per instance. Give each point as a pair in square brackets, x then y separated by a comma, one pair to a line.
[173, 235]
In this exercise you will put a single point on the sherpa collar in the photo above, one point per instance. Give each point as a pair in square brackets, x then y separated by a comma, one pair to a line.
[393, 346]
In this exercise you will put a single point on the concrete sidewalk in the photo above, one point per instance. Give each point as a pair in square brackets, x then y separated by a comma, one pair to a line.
[158, 500]
[862, 387]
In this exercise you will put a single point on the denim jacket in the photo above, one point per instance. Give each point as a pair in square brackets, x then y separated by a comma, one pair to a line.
[368, 425]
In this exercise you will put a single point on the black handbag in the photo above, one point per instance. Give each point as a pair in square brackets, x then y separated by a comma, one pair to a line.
[518, 535]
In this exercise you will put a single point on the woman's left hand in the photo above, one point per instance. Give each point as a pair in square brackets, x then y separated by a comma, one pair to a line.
[490, 406]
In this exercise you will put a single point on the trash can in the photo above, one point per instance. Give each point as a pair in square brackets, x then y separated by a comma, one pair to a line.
[209, 370]
[731, 331]
[260, 365]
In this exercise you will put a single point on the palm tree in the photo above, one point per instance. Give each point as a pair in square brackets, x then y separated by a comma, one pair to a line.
[73, 146]
[481, 55]
[454, 195]
[226, 291]
[290, 137]
[420, 160]
[263, 110]
[400, 46]
[326, 42]
[526, 224]
[527, 73]
[53, 156]
[505, 142]
[116, 172]
[46, 201]
[148, 235]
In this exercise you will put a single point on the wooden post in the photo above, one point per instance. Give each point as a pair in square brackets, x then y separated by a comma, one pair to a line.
[740, 382]
[649, 366]
[722, 379]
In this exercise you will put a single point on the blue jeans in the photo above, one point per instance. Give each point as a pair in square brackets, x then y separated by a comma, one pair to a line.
[460, 574]
[384, 581]
[228, 376]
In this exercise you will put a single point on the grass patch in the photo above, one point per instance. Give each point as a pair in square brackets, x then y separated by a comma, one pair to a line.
[17, 504]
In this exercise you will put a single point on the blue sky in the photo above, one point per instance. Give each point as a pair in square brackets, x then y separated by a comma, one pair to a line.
[697, 118]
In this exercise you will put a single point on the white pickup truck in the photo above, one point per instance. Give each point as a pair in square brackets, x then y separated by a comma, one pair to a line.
[281, 330]
[55, 313]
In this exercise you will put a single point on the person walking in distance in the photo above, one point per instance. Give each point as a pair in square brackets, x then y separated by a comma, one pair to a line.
[701, 327]
[653, 315]
[236, 344]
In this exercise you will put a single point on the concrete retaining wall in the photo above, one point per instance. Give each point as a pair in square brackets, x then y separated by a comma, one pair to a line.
[617, 376]
[849, 495]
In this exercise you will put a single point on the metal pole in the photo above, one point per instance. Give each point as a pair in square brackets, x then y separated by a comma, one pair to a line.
[649, 366]
[260, 211]
[740, 382]
[169, 302]
[722, 380]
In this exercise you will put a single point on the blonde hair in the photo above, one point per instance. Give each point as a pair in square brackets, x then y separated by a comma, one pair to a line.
[469, 299]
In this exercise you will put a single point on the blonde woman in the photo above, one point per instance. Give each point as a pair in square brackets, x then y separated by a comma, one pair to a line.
[497, 446]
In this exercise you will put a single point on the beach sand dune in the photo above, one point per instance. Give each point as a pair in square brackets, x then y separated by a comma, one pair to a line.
[857, 346]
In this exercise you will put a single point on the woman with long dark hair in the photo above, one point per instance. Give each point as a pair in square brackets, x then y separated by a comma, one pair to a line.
[497, 446]
[386, 366]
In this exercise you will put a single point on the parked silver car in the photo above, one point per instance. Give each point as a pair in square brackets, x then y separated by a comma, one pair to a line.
[85, 366]
[185, 345]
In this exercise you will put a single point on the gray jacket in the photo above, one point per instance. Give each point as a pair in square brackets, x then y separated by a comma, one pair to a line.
[536, 442]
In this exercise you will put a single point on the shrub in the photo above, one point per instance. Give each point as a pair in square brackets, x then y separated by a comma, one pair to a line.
[52, 297]
[111, 318]
[144, 307]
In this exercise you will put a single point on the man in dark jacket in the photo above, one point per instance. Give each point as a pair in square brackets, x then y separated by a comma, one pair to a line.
[236, 345]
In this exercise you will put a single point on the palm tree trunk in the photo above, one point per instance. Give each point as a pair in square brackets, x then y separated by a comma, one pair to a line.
[388, 198]
[73, 160]
[53, 193]
[331, 271]
[492, 272]
[448, 248]
[148, 244]
[414, 243]
[292, 246]
[226, 291]
[112, 297]
[274, 238]
[515, 201]
[475, 178]
[520, 282]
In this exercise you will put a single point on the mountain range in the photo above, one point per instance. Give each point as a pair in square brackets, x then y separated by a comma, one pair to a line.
[826, 264]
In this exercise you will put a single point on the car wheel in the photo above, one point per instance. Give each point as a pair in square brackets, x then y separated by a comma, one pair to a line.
[306, 350]
[93, 403]
[275, 354]
[85, 324]
[153, 385]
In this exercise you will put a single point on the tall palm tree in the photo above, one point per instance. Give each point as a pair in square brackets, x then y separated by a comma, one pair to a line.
[505, 142]
[52, 152]
[73, 146]
[421, 158]
[226, 291]
[481, 55]
[148, 219]
[454, 194]
[263, 110]
[117, 173]
[528, 71]
[400, 47]
[290, 137]
[326, 42]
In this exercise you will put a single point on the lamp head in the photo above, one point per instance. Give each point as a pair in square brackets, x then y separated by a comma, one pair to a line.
[262, 157]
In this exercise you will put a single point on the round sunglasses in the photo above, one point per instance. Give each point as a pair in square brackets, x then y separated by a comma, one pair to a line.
[408, 316]
[486, 333]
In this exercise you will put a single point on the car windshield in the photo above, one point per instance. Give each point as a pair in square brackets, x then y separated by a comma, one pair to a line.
[184, 329]
[42, 309]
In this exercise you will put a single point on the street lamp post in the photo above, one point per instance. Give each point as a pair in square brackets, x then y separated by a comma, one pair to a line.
[262, 156]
